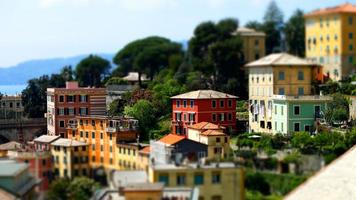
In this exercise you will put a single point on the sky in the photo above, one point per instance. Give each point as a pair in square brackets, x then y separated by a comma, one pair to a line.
[39, 29]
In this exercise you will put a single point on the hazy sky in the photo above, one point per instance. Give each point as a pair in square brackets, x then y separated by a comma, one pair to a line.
[32, 29]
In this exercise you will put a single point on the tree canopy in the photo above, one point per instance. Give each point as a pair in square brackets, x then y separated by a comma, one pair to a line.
[295, 34]
[91, 71]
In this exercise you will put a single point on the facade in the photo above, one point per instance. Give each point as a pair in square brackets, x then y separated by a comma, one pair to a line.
[291, 114]
[253, 43]
[39, 165]
[70, 158]
[203, 105]
[11, 107]
[9, 146]
[213, 136]
[128, 156]
[103, 134]
[63, 104]
[16, 180]
[218, 181]
[330, 39]
[277, 74]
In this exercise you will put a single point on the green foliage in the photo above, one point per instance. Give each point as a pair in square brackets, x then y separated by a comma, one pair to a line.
[143, 111]
[80, 188]
[338, 109]
[294, 157]
[283, 183]
[302, 141]
[91, 71]
[295, 33]
[116, 81]
[257, 182]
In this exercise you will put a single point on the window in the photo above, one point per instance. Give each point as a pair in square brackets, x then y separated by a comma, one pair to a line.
[262, 124]
[163, 178]
[110, 149]
[351, 47]
[184, 117]
[217, 140]
[93, 135]
[350, 35]
[297, 127]
[101, 159]
[83, 111]
[215, 178]
[281, 91]
[350, 20]
[351, 59]
[84, 148]
[178, 103]
[307, 128]
[83, 98]
[199, 179]
[222, 103]
[101, 147]
[213, 103]
[87, 134]
[75, 149]
[110, 135]
[71, 111]
[282, 125]
[180, 180]
[300, 75]
[317, 111]
[60, 111]
[281, 76]
[229, 117]
[93, 158]
[101, 136]
[229, 103]
[300, 91]
[192, 117]
[178, 116]
[275, 109]
[296, 110]
[61, 98]
[222, 117]
[70, 98]
[61, 124]
[282, 110]
[184, 103]
[213, 117]
[93, 147]
[192, 103]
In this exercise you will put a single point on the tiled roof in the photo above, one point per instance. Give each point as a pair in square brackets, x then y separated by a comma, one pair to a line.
[248, 32]
[212, 133]
[206, 126]
[46, 138]
[344, 8]
[10, 146]
[68, 142]
[146, 150]
[279, 59]
[203, 94]
[335, 181]
[171, 139]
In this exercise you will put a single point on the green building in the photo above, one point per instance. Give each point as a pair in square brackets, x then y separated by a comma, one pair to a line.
[297, 113]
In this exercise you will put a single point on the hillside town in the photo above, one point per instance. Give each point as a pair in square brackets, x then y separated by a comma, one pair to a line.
[282, 126]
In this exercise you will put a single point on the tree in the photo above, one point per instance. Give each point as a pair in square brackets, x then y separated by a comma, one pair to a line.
[295, 34]
[216, 52]
[58, 189]
[257, 182]
[82, 188]
[143, 111]
[67, 73]
[254, 25]
[272, 26]
[338, 109]
[91, 71]
[302, 141]
[148, 55]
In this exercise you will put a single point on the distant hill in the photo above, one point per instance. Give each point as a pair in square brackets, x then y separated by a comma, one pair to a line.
[25, 71]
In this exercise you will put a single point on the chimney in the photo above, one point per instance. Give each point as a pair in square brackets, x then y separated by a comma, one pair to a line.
[72, 85]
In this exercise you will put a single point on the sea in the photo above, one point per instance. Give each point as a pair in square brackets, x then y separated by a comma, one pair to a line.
[12, 89]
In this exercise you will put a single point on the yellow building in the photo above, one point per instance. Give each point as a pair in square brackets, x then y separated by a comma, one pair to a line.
[143, 191]
[331, 39]
[70, 158]
[276, 74]
[253, 43]
[215, 181]
[213, 136]
[144, 158]
[129, 156]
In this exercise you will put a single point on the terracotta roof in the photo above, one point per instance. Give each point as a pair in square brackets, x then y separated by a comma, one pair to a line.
[171, 139]
[279, 59]
[203, 94]
[68, 143]
[146, 150]
[212, 133]
[206, 126]
[344, 8]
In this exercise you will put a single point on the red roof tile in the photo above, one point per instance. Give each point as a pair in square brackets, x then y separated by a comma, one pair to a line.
[213, 133]
[171, 139]
[206, 126]
[344, 8]
[146, 150]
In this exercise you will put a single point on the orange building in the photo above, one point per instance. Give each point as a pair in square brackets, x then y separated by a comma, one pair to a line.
[65, 103]
[103, 134]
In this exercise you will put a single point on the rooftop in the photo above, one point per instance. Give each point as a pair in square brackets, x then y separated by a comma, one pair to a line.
[203, 94]
[10, 146]
[11, 168]
[243, 31]
[171, 139]
[206, 126]
[335, 181]
[343, 8]
[68, 143]
[279, 59]
[123, 178]
[146, 150]
[47, 138]
[213, 133]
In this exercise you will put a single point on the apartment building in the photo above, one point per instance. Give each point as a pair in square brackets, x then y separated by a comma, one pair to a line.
[203, 105]
[63, 104]
[280, 77]
[213, 136]
[11, 107]
[253, 43]
[331, 39]
[104, 135]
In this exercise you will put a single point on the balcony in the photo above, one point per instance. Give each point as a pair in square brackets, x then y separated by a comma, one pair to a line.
[72, 126]
[111, 129]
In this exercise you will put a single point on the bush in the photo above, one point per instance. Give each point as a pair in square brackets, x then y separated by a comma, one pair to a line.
[257, 182]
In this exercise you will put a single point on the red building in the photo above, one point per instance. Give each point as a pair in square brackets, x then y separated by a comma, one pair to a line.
[203, 105]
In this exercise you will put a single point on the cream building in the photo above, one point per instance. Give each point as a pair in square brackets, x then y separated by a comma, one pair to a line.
[253, 43]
